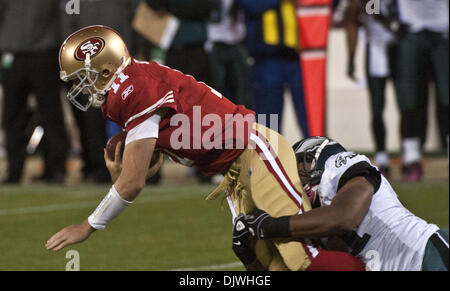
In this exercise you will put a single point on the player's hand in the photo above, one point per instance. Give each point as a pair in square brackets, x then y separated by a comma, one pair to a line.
[262, 226]
[70, 235]
[242, 242]
[155, 164]
[256, 223]
[114, 166]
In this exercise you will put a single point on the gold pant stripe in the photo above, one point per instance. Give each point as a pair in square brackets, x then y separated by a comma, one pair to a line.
[277, 170]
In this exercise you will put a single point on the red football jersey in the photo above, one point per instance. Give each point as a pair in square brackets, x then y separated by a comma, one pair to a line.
[203, 128]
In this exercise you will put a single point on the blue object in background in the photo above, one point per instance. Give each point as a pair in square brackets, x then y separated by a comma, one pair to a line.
[268, 80]
[335, 3]
[112, 129]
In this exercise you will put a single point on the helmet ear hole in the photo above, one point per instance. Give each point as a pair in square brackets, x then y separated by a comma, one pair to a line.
[106, 73]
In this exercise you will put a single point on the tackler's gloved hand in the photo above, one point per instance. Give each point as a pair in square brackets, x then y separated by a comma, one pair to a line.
[242, 242]
[262, 226]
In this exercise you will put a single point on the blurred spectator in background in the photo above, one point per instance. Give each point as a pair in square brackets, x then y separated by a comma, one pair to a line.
[380, 54]
[29, 42]
[2, 138]
[118, 15]
[228, 56]
[422, 48]
[187, 52]
[272, 41]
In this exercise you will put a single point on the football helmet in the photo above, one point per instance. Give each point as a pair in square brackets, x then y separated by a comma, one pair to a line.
[92, 58]
[312, 153]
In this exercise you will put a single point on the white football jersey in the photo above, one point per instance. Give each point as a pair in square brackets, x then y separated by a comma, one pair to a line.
[397, 237]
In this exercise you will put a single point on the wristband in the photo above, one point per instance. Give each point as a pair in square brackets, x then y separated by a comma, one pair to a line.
[111, 206]
[278, 228]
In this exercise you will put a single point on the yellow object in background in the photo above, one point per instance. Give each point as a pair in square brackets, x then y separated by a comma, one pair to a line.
[275, 29]
[290, 24]
[270, 27]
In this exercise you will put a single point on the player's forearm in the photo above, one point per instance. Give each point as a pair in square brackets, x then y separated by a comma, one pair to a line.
[129, 189]
[156, 167]
[136, 161]
[128, 186]
[345, 213]
[320, 222]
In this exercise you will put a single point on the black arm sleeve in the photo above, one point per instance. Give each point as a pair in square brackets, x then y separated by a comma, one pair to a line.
[361, 169]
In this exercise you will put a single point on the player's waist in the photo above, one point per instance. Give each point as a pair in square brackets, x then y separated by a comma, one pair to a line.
[264, 141]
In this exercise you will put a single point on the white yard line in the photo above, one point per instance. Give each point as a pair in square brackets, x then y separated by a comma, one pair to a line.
[211, 267]
[89, 204]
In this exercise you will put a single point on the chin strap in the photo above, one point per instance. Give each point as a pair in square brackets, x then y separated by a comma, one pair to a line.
[96, 99]
[315, 162]
[320, 149]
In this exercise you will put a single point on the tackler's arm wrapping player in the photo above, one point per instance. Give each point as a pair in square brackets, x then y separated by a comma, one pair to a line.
[354, 202]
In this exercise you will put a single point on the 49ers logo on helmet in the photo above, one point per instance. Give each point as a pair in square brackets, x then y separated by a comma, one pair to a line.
[92, 46]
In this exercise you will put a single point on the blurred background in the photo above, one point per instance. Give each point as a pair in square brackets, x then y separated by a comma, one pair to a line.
[371, 74]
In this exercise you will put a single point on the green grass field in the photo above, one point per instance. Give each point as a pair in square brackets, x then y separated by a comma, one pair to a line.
[167, 228]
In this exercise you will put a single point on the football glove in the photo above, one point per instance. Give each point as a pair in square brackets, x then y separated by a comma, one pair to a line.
[262, 226]
[242, 242]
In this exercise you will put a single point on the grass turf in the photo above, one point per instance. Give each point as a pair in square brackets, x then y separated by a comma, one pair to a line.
[167, 227]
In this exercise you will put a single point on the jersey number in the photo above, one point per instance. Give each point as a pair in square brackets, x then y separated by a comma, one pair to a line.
[122, 78]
